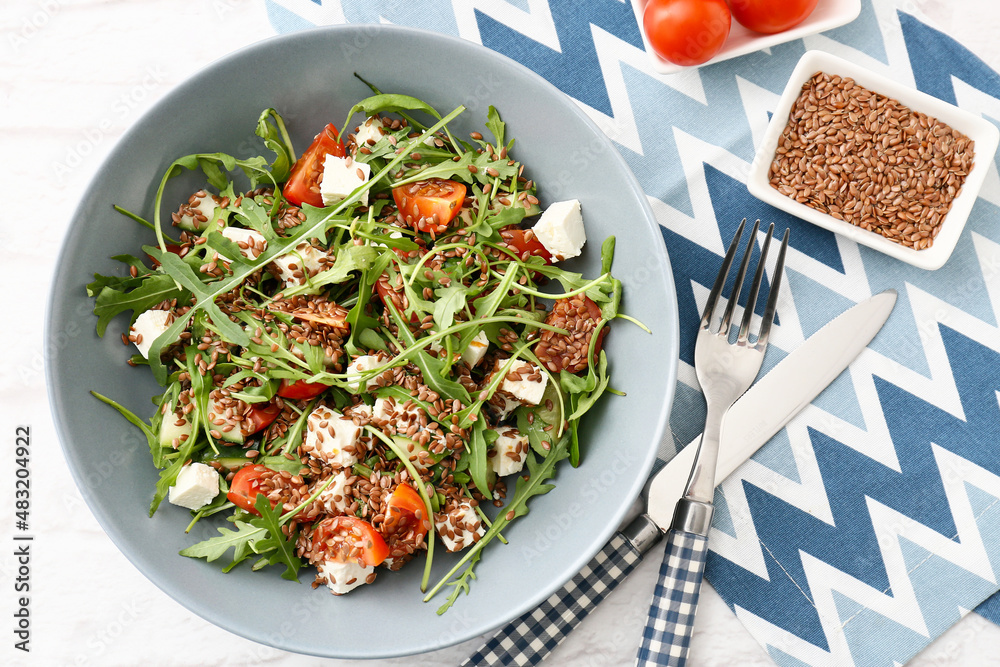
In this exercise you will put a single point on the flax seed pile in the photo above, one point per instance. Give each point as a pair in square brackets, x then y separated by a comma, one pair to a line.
[871, 161]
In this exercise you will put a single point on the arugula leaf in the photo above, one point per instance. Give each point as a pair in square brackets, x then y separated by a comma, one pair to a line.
[495, 125]
[271, 128]
[461, 585]
[280, 549]
[449, 301]
[382, 103]
[148, 431]
[349, 259]
[215, 547]
[150, 291]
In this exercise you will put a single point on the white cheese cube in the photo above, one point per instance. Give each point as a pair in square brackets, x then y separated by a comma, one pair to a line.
[473, 354]
[196, 485]
[361, 410]
[341, 176]
[369, 132]
[294, 267]
[343, 577]
[332, 437]
[255, 241]
[334, 498]
[560, 229]
[365, 362]
[511, 450]
[148, 327]
[459, 526]
[527, 390]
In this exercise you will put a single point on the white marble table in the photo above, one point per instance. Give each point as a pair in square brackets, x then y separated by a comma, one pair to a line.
[74, 75]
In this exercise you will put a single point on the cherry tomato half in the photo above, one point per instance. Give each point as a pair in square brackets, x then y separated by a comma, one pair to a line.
[245, 486]
[686, 32]
[431, 205]
[522, 242]
[770, 16]
[403, 507]
[300, 389]
[307, 172]
[558, 351]
[348, 537]
[260, 417]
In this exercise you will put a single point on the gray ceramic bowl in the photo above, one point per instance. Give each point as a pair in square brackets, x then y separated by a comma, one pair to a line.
[309, 78]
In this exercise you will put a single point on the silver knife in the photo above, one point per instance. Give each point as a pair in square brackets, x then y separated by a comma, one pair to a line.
[760, 413]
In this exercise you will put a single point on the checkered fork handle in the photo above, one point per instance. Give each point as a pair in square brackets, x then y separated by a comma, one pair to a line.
[667, 636]
[529, 639]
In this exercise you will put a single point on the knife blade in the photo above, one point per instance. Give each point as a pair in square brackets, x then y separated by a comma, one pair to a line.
[760, 413]
[773, 400]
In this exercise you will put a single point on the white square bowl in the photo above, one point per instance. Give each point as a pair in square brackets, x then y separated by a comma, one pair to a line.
[829, 14]
[985, 134]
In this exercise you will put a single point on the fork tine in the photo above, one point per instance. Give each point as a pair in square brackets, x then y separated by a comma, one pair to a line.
[727, 318]
[720, 280]
[758, 278]
[772, 297]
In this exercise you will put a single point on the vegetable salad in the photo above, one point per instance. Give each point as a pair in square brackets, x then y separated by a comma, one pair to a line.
[357, 353]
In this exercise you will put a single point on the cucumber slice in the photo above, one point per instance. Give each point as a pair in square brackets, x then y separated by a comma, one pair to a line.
[173, 429]
[217, 412]
[414, 449]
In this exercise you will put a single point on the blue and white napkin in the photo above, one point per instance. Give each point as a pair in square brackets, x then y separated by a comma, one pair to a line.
[872, 522]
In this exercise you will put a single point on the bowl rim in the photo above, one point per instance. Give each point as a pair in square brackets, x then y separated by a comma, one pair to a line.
[741, 41]
[984, 133]
[59, 286]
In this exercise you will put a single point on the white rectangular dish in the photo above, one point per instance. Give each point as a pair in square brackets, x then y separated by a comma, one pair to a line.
[985, 135]
[829, 14]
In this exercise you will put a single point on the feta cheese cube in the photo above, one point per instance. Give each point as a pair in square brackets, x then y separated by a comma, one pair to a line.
[369, 132]
[511, 450]
[305, 261]
[361, 410]
[343, 577]
[254, 241]
[473, 354]
[560, 229]
[529, 386]
[148, 327]
[334, 498]
[196, 485]
[365, 362]
[332, 437]
[341, 176]
[459, 526]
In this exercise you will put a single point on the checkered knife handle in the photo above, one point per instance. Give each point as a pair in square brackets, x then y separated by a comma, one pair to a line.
[667, 636]
[529, 639]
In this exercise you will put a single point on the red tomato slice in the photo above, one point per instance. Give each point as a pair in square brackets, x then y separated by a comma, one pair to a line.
[300, 389]
[260, 417]
[405, 503]
[245, 487]
[524, 241]
[303, 183]
[350, 538]
[768, 16]
[557, 351]
[431, 205]
[389, 295]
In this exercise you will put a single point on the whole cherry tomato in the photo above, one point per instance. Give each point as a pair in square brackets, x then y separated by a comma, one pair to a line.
[686, 32]
[770, 16]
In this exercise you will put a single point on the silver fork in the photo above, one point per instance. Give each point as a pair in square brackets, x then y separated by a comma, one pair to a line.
[725, 370]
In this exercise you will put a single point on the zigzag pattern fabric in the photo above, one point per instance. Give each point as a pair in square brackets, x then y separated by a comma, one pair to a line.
[872, 521]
